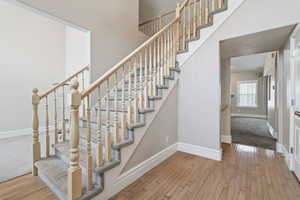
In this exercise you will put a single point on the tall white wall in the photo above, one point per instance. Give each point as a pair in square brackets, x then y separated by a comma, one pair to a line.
[113, 26]
[32, 55]
[77, 52]
[199, 87]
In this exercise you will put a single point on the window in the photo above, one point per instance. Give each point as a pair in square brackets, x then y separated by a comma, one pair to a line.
[247, 94]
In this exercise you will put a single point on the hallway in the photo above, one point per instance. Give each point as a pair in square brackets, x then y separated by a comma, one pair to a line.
[251, 131]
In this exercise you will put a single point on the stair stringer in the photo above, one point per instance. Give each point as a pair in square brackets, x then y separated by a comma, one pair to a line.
[111, 177]
[218, 18]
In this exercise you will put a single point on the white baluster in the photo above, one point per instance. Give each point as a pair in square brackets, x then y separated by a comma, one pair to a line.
[123, 120]
[99, 131]
[116, 128]
[145, 79]
[141, 85]
[47, 138]
[135, 106]
[154, 68]
[107, 134]
[89, 160]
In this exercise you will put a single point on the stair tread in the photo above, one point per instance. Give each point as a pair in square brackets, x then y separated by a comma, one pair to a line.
[56, 172]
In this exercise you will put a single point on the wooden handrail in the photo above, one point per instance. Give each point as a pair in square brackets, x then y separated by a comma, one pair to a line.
[103, 78]
[63, 82]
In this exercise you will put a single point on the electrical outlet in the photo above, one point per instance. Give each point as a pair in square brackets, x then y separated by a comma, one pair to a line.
[167, 139]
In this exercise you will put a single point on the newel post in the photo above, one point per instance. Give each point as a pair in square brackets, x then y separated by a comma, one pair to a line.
[74, 171]
[36, 146]
[178, 26]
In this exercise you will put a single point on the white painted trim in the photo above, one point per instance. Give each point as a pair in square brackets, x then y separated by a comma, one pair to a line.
[287, 157]
[279, 147]
[272, 130]
[248, 115]
[226, 139]
[22, 132]
[200, 151]
[133, 174]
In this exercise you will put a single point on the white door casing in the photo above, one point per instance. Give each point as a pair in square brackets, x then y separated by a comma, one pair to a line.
[295, 107]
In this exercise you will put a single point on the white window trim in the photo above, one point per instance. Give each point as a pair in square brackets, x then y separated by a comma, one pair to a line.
[238, 94]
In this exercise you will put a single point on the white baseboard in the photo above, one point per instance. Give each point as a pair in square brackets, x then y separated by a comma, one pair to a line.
[287, 157]
[200, 151]
[248, 115]
[226, 139]
[22, 132]
[272, 130]
[133, 174]
[279, 147]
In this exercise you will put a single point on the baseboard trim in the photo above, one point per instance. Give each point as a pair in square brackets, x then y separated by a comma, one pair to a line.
[287, 157]
[226, 139]
[272, 130]
[22, 132]
[279, 147]
[200, 151]
[133, 174]
[248, 115]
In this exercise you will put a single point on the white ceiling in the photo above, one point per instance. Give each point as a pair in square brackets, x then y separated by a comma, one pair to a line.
[253, 62]
[266, 41]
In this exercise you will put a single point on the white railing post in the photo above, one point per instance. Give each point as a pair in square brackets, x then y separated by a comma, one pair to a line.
[74, 171]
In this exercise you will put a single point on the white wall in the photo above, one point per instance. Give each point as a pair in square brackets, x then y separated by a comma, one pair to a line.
[261, 93]
[158, 136]
[151, 8]
[32, 55]
[225, 124]
[77, 52]
[199, 86]
[113, 26]
[286, 94]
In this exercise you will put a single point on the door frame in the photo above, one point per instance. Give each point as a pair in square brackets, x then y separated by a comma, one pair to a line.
[291, 160]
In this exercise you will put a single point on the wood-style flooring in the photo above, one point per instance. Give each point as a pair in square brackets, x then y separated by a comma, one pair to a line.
[246, 173]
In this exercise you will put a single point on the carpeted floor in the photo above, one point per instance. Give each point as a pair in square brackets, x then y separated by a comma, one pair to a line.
[251, 131]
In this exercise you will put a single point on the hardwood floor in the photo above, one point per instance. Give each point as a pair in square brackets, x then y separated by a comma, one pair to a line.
[26, 187]
[246, 173]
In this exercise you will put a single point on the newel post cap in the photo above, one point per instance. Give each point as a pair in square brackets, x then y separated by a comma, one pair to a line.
[35, 96]
[75, 98]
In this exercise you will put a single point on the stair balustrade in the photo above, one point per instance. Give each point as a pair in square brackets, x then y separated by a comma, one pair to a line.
[59, 117]
[113, 104]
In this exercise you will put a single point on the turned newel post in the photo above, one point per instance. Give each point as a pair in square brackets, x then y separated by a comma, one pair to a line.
[74, 171]
[36, 146]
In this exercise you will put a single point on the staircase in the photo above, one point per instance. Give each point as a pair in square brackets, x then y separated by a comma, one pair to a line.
[89, 135]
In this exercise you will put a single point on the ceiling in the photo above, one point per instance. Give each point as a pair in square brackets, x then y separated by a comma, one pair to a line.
[252, 62]
[266, 41]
